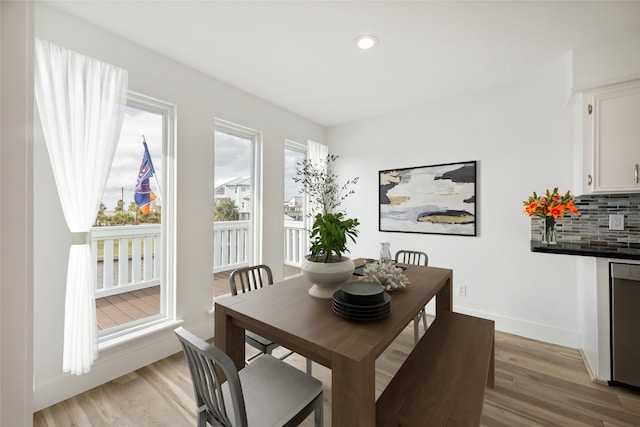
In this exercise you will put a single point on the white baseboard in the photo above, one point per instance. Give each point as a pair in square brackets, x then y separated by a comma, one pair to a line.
[525, 328]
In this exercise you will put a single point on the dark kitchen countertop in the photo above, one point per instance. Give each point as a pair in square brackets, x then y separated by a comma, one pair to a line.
[586, 250]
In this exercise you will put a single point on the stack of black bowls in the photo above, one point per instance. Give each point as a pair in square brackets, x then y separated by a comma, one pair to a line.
[361, 301]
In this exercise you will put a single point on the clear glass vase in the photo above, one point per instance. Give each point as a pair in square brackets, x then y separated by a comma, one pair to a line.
[385, 252]
[549, 236]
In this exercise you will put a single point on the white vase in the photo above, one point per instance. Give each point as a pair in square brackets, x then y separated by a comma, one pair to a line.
[327, 277]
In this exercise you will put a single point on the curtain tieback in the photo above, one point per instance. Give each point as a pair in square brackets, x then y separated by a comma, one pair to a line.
[81, 238]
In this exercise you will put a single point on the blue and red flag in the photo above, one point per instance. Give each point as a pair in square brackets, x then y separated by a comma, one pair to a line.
[143, 194]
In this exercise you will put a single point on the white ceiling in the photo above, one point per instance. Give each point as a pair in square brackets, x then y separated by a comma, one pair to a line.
[300, 55]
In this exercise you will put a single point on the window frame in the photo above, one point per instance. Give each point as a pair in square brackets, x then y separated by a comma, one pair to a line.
[306, 221]
[167, 316]
[301, 148]
[256, 207]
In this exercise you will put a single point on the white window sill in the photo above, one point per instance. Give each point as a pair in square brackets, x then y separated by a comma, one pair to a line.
[112, 341]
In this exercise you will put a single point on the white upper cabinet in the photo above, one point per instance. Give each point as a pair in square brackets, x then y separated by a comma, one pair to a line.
[610, 139]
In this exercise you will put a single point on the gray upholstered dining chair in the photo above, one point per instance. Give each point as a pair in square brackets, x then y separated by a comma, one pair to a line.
[247, 279]
[267, 392]
[415, 258]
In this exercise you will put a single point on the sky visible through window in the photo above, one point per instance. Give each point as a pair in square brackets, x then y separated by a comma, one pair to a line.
[126, 163]
[232, 157]
[233, 160]
[291, 160]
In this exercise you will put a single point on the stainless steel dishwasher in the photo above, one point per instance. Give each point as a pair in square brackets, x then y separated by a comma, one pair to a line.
[625, 324]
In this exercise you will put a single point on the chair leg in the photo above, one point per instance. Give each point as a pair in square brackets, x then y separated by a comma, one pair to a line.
[309, 365]
[424, 319]
[246, 362]
[416, 326]
[284, 356]
[318, 414]
[202, 418]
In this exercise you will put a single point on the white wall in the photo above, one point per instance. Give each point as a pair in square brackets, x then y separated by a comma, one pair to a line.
[16, 214]
[521, 136]
[609, 60]
[199, 99]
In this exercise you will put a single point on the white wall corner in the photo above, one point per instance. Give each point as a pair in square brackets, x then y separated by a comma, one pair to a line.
[571, 94]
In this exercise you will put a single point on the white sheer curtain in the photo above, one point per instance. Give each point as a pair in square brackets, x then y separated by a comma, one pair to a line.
[317, 152]
[81, 103]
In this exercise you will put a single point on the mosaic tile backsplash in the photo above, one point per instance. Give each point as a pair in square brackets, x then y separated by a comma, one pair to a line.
[592, 226]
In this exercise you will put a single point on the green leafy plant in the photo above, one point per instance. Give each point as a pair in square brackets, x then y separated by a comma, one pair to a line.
[331, 230]
[329, 236]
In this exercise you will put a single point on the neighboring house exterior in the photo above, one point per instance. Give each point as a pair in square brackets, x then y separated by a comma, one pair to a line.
[294, 208]
[238, 190]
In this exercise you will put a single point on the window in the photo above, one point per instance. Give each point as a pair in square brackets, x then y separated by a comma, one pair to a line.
[295, 235]
[236, 211]
[134, 250]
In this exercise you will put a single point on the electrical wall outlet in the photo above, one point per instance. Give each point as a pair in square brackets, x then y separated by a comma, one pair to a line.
[616, 222]
[462, 290]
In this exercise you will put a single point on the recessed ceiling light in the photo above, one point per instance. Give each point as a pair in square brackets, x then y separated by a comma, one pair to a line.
[366, 41]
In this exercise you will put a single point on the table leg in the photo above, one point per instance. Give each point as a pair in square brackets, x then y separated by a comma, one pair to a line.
[229, 337]
[492, 365]
[444, 297]
[353, 396]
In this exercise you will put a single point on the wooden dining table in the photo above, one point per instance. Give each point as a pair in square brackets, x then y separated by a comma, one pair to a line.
[286, 314]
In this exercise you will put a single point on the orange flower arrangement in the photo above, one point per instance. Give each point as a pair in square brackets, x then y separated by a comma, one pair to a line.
[550, 205]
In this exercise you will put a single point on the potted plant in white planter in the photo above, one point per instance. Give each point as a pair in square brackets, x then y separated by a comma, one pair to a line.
[326, 267]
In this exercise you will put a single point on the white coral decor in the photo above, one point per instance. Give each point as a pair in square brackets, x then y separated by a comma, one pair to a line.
[386, 274]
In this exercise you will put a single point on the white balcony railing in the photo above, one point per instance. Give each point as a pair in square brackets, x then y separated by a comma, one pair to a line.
[230, 245]
[140, 245]
[295, 243]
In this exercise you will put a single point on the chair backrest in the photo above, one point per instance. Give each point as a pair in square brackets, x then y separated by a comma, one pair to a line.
[247, 279]
[412, 257]
[209, 366]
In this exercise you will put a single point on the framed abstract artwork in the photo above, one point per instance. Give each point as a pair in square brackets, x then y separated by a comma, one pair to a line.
[436, 199]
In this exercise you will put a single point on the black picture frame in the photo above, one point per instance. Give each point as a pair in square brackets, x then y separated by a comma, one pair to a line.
[434, 199]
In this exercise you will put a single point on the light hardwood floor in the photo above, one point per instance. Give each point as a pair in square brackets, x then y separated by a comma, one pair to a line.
[537, 384]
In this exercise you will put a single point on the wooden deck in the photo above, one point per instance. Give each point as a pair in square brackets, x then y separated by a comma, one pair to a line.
[124, 308]
[127, 307]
